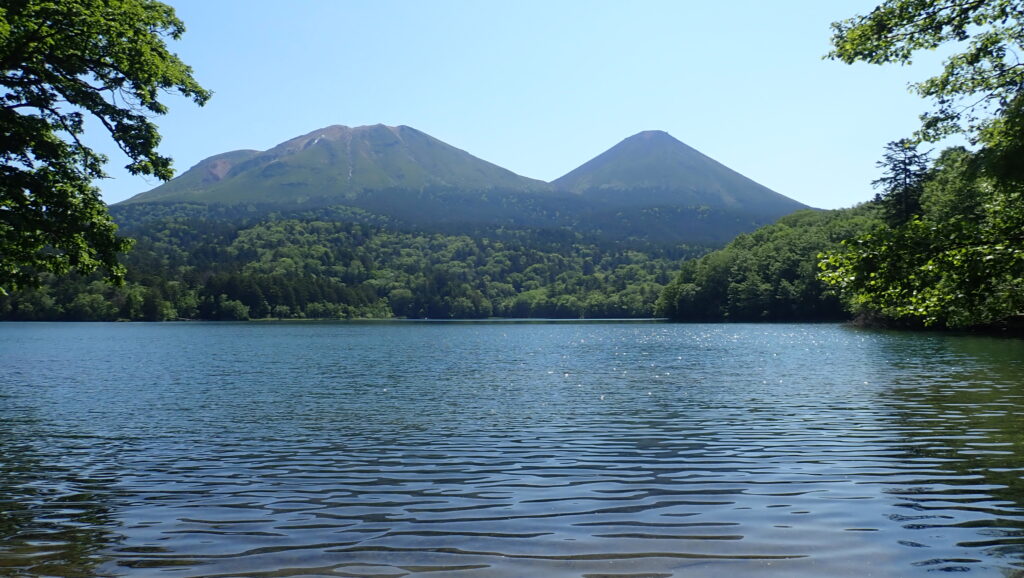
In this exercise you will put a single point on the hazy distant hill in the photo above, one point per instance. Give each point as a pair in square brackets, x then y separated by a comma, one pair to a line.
[649, 187]
[653, 168]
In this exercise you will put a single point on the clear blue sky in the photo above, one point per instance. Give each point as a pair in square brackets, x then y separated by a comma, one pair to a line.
[540, 87]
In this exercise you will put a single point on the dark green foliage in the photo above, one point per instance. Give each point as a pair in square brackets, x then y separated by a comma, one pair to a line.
[977, 87]
[448, 210]
[228, 263]
[958, 264]
[63, 61]
[767, 275]
[903, 181]
[957, 259]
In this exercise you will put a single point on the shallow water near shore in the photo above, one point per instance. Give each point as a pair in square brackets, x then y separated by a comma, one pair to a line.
[508, 449]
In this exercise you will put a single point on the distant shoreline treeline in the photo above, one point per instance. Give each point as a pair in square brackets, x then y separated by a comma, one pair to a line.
[198, 262]
[224, 263]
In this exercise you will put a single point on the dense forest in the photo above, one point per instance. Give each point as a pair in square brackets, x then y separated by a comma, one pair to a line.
[230, 263]
[949, 251]
[771, 274]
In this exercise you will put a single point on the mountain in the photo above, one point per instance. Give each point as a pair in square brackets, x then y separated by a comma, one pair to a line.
[649, 188]
[379, 221]
[652, 168]
[335, 164]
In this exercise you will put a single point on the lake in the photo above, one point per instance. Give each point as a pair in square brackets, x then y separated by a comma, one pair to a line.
[508, 449]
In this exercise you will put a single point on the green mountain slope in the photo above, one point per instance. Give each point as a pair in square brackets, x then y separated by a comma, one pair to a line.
[654, 169]
[649, 188]
[336, 164]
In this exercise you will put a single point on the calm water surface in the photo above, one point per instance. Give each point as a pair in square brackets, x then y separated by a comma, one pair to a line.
[508, 449]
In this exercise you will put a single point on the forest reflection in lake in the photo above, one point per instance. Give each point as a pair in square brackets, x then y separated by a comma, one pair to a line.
[508, 449]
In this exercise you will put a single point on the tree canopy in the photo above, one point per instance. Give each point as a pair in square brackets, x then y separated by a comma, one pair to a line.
[216, 262]
[905, 171]
[62, 61]
[978, 86]
[951, 253]
[959, 263]
[767, 275]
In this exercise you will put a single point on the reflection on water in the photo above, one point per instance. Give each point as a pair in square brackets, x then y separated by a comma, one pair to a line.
[564, 449]
[967, 417]
[54, 502]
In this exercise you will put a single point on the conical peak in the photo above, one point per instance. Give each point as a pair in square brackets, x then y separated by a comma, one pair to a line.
[653, 138]
[652, 135]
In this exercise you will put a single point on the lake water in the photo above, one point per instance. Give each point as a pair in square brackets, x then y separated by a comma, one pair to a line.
[508, 449]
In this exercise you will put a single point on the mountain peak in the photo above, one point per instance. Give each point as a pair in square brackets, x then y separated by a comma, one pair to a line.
[334, 133]
[335, 164]
[654, 139]
[650, 135]
[668, 171]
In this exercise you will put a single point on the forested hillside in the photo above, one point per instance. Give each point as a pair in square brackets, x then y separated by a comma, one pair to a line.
[941, 246]
[768, 275]
[226, 263]
[950, 252]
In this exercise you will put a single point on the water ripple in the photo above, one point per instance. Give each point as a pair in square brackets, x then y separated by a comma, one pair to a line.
[498, 450]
